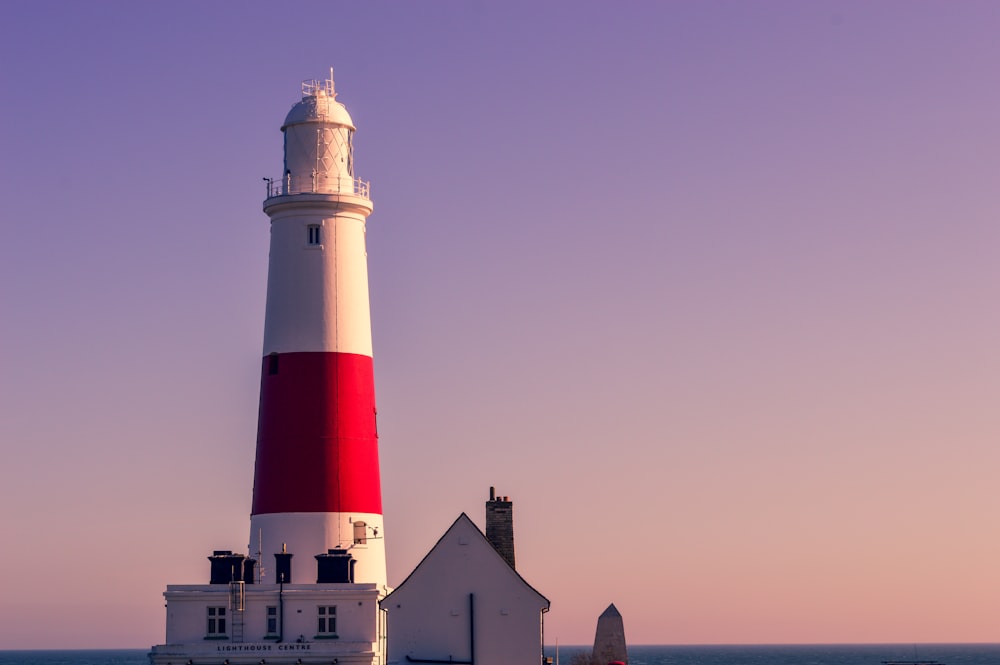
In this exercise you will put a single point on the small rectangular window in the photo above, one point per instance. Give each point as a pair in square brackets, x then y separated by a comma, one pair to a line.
[272, 620]
[216, 622]
[360, 533]
[272, 363]
[314, 236]
[327, 624]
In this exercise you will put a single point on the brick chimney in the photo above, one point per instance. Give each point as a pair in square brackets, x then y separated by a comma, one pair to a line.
[500, 525]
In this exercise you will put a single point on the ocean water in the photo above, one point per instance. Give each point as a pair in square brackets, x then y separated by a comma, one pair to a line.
[839, 654]
[81, 657]
[818, 654]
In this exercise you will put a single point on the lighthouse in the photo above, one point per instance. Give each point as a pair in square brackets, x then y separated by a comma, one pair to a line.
[311, 586]
[308, 587]
[316, 482]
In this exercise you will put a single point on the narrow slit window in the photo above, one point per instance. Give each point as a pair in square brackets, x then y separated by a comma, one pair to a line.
[272, 363]
[314, 234]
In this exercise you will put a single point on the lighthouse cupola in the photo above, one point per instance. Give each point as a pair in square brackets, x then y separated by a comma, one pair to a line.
[319, 133]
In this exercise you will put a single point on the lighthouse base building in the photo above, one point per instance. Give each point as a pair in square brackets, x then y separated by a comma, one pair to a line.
[464, 604]
[312, 585]
[237, 619]
[237, 622]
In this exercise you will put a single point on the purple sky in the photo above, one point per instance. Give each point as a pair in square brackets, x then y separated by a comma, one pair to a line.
[710, 289]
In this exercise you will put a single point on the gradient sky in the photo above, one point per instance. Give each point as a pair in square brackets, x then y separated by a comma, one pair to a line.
[710, 289]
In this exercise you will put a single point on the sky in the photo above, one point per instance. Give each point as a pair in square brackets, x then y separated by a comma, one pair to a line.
[709, 289]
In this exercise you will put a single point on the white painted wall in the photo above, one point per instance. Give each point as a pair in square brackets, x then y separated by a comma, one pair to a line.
[428, 614]
[317, 296]
[315, 533]
[360, 628]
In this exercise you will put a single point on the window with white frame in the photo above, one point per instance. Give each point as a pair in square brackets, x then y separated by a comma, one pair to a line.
[216, 622]
[272, 620]
[327, 625]
[314, 235]
[360, 533]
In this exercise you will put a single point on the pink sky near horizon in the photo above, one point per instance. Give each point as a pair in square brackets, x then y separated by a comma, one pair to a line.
[710, 290]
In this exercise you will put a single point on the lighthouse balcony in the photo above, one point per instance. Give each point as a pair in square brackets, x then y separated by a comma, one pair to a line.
[318, 183]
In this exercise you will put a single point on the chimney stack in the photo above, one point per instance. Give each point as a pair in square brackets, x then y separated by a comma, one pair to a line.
[500, 525]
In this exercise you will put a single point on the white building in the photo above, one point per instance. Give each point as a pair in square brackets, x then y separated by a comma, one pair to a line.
[465, 604]
[291, 623]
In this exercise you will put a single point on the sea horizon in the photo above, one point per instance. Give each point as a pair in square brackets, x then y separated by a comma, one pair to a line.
[945, 653]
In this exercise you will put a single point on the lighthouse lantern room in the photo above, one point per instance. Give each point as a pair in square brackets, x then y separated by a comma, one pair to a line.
[308, 587]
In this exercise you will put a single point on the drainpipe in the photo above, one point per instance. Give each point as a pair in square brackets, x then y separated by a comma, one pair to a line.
[281, 608]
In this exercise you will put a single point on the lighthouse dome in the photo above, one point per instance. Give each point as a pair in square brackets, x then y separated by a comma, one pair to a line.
[319, 105]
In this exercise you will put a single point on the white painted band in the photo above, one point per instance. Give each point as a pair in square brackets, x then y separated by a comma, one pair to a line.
[307, 534]
[317, 294]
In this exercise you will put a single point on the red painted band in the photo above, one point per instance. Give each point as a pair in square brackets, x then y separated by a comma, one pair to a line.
[317, 446]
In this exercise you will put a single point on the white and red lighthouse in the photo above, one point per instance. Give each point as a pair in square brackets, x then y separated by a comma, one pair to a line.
[316, 482]
[309, 590]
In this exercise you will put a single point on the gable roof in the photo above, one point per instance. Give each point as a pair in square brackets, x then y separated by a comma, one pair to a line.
[463, 523]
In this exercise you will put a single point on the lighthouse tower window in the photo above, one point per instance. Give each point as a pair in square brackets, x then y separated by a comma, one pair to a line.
[360, 533]
[314, 237]
[327, 625]
[216, 622]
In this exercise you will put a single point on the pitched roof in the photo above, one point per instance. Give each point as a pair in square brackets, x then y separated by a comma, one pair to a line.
[463, 522]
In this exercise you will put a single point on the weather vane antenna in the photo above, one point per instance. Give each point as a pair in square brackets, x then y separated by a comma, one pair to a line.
[314, 87]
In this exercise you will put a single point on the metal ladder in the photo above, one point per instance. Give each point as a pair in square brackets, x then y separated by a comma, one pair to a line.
[237, 598]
